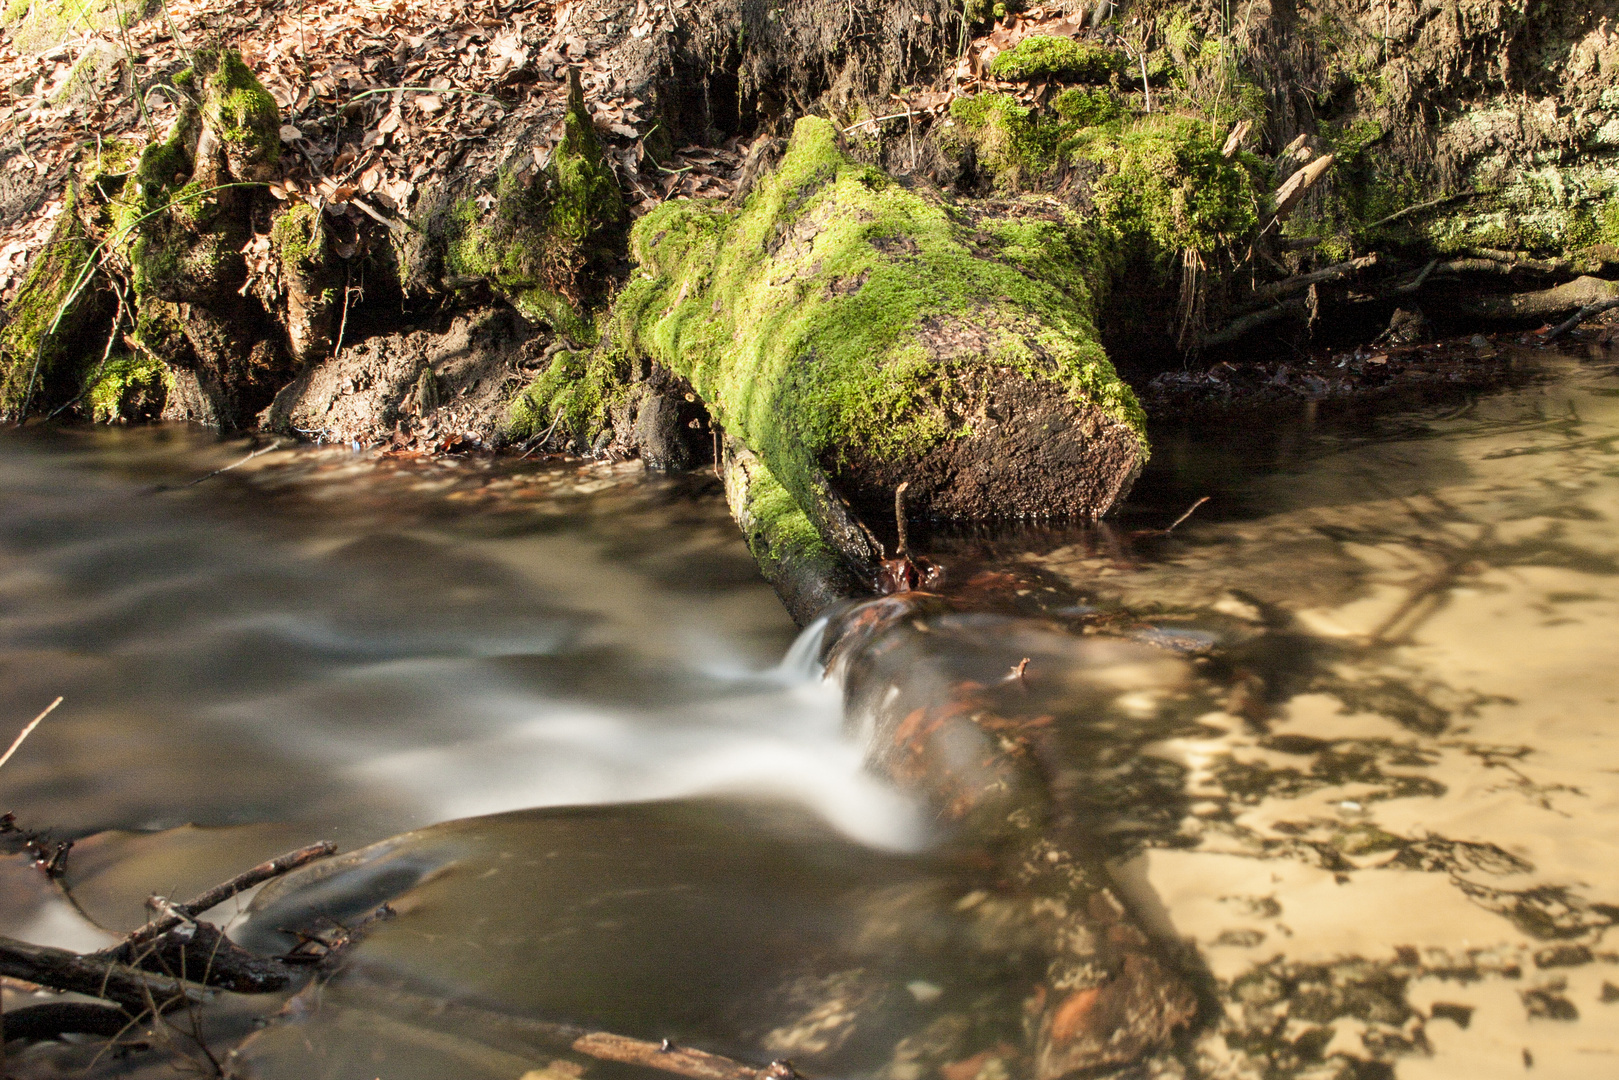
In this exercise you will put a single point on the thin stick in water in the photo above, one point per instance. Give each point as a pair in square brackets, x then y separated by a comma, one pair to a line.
[29, 730]
[264, 450]
[1190, 510]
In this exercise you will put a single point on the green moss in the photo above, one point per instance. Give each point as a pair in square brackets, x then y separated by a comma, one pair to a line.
[1163, 179]
[798, 319]
[137, 222]
[781, 532]
[543, 236]
[241, 112]
[296, 235]
[38, 25]
[1088, 107]
[1042, 57]
[577, 393]
[1607, 225]
[128, 386]
[30, 350]
[1165, 182]
[1011, 141]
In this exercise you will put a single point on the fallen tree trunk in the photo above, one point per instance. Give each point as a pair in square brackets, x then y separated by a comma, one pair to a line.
[1545, 303]
[855, 335]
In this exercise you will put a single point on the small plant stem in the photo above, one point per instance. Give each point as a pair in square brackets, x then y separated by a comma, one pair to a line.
[27, 731]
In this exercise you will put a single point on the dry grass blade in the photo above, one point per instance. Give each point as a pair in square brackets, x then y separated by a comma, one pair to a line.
[27, 731]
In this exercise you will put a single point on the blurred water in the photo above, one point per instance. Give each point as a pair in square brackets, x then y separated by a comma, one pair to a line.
[1347, 734]
[321, 639]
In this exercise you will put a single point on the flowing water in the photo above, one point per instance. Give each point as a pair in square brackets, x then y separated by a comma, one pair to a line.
[1342, 740]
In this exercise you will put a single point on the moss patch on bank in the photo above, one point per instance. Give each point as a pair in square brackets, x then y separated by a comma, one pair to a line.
[1040, 57]
[129, 386]
[547, 238]
[43, 315]
[577, 396]
[810, 321]
[1160, 179]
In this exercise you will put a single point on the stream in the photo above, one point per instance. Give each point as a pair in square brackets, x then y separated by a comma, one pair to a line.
[1341, 742]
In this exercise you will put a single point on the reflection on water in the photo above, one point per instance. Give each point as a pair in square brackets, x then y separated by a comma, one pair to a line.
[1345, 733]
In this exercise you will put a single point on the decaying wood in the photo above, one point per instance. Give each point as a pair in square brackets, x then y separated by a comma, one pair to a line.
[1580, 293]
[1247, 324]
[1400, 215]
[38, 1022]
[663, 1056]
[96, 976]
[1265, 294]
[161, 965]
[1580, 316]
[1295, 187]
[1107, 998]
[1233, 141]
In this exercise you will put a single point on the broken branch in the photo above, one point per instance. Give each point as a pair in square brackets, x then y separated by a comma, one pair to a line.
[220, 893]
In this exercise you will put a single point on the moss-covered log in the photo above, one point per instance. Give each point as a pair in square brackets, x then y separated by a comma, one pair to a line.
[857, 333]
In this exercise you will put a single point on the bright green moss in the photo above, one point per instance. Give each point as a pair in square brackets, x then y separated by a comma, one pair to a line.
[780, 531]
[241, 112]
[1165, 182]
[1011, 141]
[1065, 58]
[138, 227]
[296, 235]
[800, 319]
[542, 235]
[577, 394]
[1087, 107]
[127, 386]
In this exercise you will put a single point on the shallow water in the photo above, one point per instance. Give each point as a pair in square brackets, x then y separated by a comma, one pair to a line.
[1346, 731]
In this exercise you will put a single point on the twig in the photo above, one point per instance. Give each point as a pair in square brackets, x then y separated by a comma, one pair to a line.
[422, 90]
[29, 730]
[1430, 204]
[1556, 332]
[343, 325]
[1236, 328]
[93, 975]
[262, 450]
[106, 354]
[1417, 282]
[220, 893]
[878, 120]
[541, 441]
[664, 1055]
[1277, 290]
[899, 516]
[1189, 512]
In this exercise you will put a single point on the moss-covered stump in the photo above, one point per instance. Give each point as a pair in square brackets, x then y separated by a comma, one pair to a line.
[546, 241]
[180, 226]
[857, 334]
